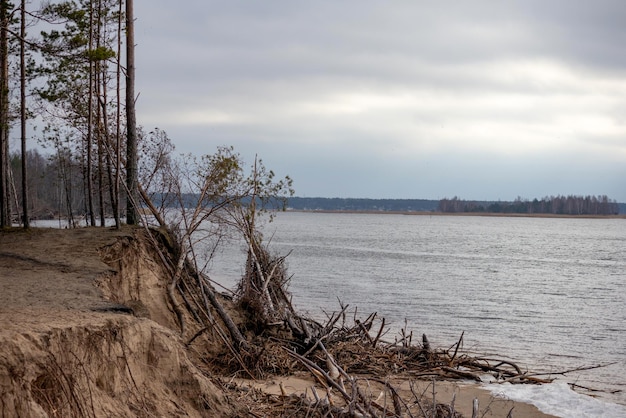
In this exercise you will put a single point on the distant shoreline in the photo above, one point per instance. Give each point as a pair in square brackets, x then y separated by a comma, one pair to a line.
[485, 214]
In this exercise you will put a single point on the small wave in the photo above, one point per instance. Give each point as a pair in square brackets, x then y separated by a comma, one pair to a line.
[558, 399]
[555, 294]
[484, 318]
[564, 355]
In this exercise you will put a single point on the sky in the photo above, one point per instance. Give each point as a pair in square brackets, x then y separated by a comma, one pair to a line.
[484, 100]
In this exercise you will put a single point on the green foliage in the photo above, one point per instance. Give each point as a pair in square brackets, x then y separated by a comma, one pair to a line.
[221, 176]
[213, 187]
[67, 54]
[101, 53]
[68, 10]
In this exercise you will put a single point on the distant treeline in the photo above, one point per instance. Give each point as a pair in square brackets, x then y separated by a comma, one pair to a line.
[558, 205]
[561, 205]
[347, 204]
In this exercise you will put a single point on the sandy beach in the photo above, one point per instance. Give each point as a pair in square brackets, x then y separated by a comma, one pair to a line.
[444, 393]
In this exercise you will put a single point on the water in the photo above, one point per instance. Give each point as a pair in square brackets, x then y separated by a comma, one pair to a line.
[546, 293]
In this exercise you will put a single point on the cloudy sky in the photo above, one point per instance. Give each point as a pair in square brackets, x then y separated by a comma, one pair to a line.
[396, 99]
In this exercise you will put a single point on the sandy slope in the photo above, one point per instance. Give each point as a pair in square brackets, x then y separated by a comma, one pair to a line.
[67, 351]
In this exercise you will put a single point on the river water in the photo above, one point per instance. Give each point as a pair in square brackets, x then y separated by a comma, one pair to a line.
[547, 293]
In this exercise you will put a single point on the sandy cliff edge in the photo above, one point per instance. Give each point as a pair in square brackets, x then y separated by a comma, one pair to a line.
[67, 351]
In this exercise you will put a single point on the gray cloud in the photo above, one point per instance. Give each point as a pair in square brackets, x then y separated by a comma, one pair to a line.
[406, 99]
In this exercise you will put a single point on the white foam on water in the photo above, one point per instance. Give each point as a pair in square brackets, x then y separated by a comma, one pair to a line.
[558, 399]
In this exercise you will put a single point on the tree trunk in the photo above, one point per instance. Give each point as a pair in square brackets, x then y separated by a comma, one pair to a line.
[101, 151]
[92, 215]
[118, 121]
[132, 214]
[4, 114]
[100, 136]
[108, 150]
[25, 220]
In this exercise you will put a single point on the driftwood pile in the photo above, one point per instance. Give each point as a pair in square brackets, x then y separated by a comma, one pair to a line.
[359, 372]
[361, 353]
[355, 343]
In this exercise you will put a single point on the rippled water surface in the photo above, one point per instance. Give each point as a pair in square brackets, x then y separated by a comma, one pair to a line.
[547, 293]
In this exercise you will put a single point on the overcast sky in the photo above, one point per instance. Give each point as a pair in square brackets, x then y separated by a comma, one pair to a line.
[396, 99]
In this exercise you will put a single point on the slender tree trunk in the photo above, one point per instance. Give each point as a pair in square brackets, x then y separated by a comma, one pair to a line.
[101, 151]
[109, 168]
[83, 170]
[65, 177]
[108, 148]
[13, 189]
[132, 214]
[99, 124]
[118, 123]
[4, 114]
[25, 220]
[92, 215]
